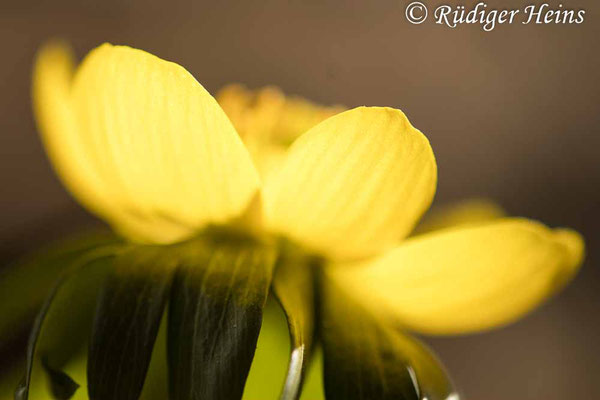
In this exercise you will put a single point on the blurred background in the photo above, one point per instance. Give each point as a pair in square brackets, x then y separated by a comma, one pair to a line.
[512, 115]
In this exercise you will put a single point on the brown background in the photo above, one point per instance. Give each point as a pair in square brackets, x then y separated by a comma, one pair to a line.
[512, 115]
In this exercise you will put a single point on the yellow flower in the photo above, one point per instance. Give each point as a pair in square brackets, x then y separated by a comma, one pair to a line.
[268, 121]
[139, 142]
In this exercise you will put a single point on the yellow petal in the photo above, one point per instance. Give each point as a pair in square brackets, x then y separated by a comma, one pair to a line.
[354, 184]
[52, 78]
[159, 159]
[466, 212]
[466, 279]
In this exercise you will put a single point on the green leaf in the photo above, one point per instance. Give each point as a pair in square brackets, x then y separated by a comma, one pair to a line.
[25, 284]
[365, 358]
[130, 307]
[272, 356]
[293, 286]
[62, 386]
[215, 315]
[313, 385]
[62, 327]
[156, 384]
